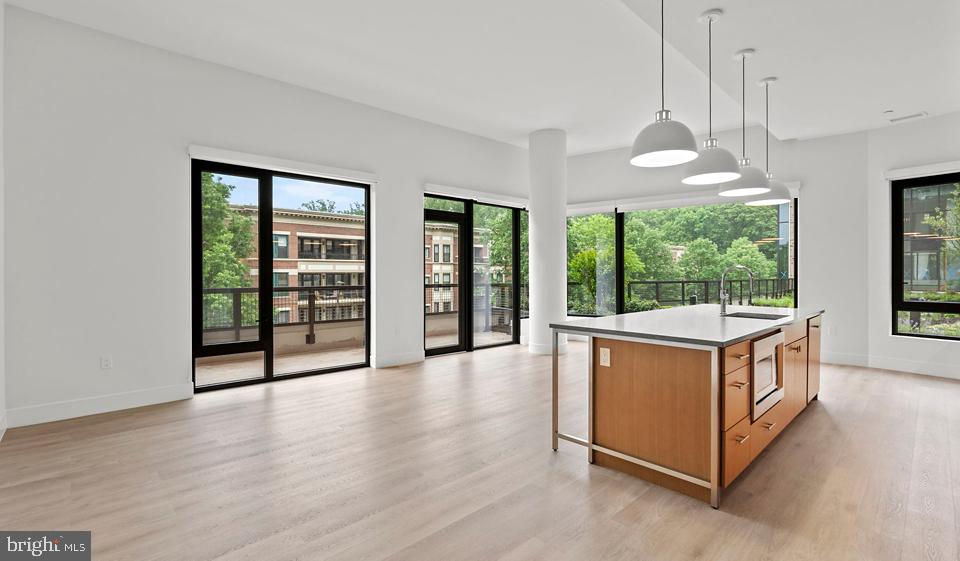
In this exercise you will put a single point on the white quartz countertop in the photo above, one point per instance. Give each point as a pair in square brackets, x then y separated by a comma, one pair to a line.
[699, 325]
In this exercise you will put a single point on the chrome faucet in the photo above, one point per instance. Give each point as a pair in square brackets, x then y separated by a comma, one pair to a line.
[723, 290]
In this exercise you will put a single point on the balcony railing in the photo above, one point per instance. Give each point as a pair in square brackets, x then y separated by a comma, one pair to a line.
[580, 301]
[237, 309]
[337, 255]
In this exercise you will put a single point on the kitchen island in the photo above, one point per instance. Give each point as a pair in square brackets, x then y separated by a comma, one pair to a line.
[686, 398]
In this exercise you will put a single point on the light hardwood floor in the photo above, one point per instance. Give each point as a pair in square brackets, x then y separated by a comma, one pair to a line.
[451, 460]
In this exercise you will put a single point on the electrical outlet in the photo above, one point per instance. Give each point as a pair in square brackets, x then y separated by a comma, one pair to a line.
[604, 356]
[106, 362]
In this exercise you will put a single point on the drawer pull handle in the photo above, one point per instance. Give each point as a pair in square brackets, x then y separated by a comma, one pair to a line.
[770, 426]
[795, 349]
[814, 327]
[739, 385]
[742, 439]
[741, 357]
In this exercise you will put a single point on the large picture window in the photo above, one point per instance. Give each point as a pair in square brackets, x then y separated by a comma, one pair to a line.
[635, 261]
[926, 256]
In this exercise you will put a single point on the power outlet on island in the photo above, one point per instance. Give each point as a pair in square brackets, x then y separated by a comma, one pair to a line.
[106, 362]
[604, 356]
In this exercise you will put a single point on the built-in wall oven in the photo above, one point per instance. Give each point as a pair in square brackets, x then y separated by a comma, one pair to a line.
[766, 374]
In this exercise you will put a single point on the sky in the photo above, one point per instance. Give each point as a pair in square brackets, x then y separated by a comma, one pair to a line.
[291, 193]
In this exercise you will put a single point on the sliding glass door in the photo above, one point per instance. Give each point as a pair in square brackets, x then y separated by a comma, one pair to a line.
[471, 277]
[280, 275]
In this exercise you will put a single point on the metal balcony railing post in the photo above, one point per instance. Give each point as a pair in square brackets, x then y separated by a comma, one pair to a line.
[311, 312]
[237, 313]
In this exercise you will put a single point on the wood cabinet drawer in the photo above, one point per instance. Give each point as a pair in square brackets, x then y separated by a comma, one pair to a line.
[794, 332]
[736, 397]
[736, 450]
[736, 356]
[766, 428]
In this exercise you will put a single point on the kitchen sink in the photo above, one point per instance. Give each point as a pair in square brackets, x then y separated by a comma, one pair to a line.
[752, 315]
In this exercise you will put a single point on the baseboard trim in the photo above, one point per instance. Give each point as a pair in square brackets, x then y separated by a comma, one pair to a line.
[3, 424]
[399, 359]
[848, 359]
[926, 368]
[69, 409]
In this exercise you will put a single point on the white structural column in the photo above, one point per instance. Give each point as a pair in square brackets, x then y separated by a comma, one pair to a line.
[548, 236]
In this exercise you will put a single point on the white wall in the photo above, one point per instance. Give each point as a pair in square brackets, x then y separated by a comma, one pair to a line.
[832, 238]
[930, 141]
[98, 201]
[3, 354]
[844, 229]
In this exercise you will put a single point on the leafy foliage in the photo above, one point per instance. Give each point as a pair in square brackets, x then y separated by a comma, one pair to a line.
[227, 240]
[327, 205]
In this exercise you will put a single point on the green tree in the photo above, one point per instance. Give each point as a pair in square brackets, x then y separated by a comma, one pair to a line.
[743, 252]
[701, 260]
[226, 242]
[652, 250]
[319, 205]
[946, 224]
[722, 224]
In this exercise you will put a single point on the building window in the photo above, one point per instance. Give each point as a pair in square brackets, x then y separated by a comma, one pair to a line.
[446, 253]
[446, 278]
[436, 253]
[309, 248]
[426, 253]
[281, 317]
[926, 257]
[280, 246]
[281, 280]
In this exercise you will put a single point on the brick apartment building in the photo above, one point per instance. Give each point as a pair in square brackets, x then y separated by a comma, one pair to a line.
[322, 251]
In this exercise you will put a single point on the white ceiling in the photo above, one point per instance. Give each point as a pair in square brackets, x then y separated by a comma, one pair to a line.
[502, 68]
[841, 63]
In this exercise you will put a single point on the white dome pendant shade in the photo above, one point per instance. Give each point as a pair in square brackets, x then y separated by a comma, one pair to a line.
[779, 193]
[665, 142]
[715, 165]
[752, 180]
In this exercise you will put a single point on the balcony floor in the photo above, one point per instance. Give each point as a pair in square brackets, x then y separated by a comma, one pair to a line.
[249, 366]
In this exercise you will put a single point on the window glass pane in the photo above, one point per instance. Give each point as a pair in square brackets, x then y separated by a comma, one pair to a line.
[524, 264]
[675, 256]
[441, 303]
[591, 249]
[229, 240]
[925, 323]
[319, 314]
[437, 203]
[492, 275]
[931, 243]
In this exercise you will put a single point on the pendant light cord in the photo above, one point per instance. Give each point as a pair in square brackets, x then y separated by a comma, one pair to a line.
[766, 94]
[710, 77]
[663, 104]
[743, 106]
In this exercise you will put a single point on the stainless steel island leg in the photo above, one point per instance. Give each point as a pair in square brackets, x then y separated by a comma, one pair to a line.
[556, 390]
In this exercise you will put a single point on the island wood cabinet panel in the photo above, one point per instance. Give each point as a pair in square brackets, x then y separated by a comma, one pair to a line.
[766, 428]
[795, 377]
[736, 356]
[655, 404]
[736, 450]
[813, 358]
[736, 397]
[794, 332]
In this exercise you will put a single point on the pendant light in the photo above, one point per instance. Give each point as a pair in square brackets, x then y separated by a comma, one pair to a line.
[779, 194]
[664, 142]
[752, 181]
[715, 165]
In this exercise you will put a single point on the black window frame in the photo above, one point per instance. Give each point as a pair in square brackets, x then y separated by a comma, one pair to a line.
[264, 244]
[898, 304]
